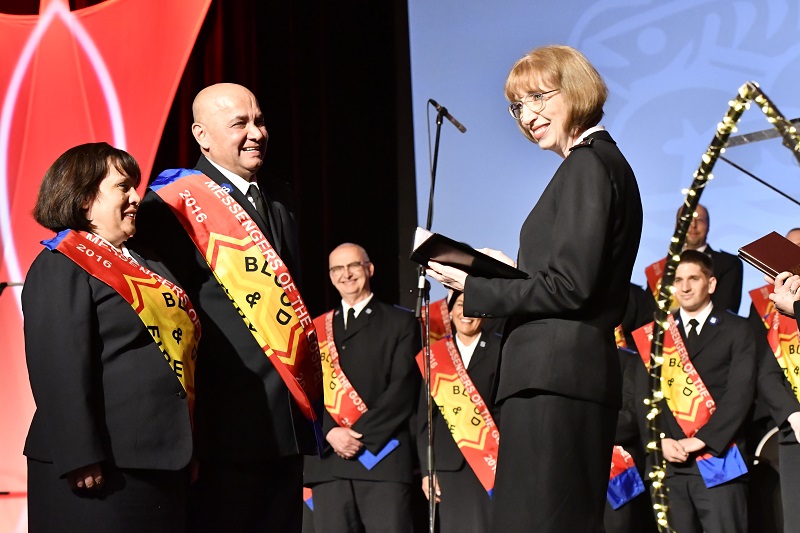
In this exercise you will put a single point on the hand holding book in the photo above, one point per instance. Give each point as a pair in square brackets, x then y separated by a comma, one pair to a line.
[433, 248]
[786, 292]
[778, 258]
[500, 256]
[451, 277]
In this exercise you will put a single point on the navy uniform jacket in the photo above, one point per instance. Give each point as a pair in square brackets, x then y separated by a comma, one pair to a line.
[775, 391]
[725, 357]
[376, 354]
[578, 246]
[729, 273]
[244, 411]
[104, 391]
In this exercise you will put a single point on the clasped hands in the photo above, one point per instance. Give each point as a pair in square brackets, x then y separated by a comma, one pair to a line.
[677, 451]
[344, 442]
[455, 278]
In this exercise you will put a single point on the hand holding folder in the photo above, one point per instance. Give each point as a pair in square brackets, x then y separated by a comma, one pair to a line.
[430, 246]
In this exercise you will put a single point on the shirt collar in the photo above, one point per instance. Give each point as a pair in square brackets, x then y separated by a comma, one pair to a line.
[588, 132]
[467, 351]
[358, 307]
[701, 317]
[235, 179]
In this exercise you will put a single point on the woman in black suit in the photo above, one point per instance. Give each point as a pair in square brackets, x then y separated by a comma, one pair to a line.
[559, 376]
[464, 504]
[111, 439]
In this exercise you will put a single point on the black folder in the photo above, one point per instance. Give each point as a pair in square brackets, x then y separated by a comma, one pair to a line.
[435, 247]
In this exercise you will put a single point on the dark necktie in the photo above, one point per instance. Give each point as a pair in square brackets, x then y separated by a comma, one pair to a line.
[351, 318]
[692, 335]
[254, 194]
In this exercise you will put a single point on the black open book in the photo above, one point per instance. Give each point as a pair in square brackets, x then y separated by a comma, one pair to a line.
[435, 247]
[772, 254]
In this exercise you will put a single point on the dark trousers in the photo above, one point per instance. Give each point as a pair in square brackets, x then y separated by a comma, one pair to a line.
[553, 465]
[695, 508]
[245, 497]
[789, 466]
[353, 506]
[131, 500]
[465, 505]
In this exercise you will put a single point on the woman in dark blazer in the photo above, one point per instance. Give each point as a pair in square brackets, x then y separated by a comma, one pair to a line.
[464, 504]
[111, 437]
[559, 375]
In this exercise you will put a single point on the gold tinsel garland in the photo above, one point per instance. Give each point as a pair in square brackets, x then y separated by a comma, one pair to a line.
[747, 93]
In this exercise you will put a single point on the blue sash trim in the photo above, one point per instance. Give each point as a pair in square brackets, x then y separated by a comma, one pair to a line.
[369, 460]
[53, 243]
[310, 502]
[170, 175]
[624, 487]
[719, 470]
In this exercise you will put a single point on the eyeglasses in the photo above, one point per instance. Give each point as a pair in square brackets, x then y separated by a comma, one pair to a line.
[534, 101]
[355, 265]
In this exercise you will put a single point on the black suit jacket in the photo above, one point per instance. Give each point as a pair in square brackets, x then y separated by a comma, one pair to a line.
[775, 392]
[103, 390]
[640, 310]
[578, 246]
[376, 354]
[729, 273]
[481, 370]
[725, 357]
[244, 411]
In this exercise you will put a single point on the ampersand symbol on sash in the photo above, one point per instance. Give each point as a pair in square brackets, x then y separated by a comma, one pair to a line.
[252, 299]
[456, 410]
[671, 381]
[177, 334]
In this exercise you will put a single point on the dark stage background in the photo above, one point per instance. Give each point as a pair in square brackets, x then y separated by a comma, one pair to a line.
[333, 81]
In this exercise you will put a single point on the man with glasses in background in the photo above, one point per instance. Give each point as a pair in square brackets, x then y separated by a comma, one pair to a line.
[371, 383]
[728, 268]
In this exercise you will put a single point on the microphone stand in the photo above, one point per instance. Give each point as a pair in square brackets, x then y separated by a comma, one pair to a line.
[423, 301]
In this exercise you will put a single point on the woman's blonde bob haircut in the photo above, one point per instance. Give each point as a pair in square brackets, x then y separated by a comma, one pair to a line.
[566, 69]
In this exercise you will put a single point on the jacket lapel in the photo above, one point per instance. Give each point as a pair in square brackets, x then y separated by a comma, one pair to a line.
[204, 166]
[708, 333]
[277, 216]
[360, 323]
[479, 354]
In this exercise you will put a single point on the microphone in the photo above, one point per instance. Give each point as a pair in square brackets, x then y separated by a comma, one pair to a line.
[4, 284]
[443, 110]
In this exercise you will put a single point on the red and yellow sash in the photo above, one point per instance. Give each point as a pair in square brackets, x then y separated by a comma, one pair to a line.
[440, 320]
[764, 306]
[690, 402]
[619, 337]
[654, 274]
[341, 399]
[782, 336]
[686, 394]
[163, 307]
[463, 409]
[255, 279]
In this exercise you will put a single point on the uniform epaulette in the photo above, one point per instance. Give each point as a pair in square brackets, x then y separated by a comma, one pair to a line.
[584, 143]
